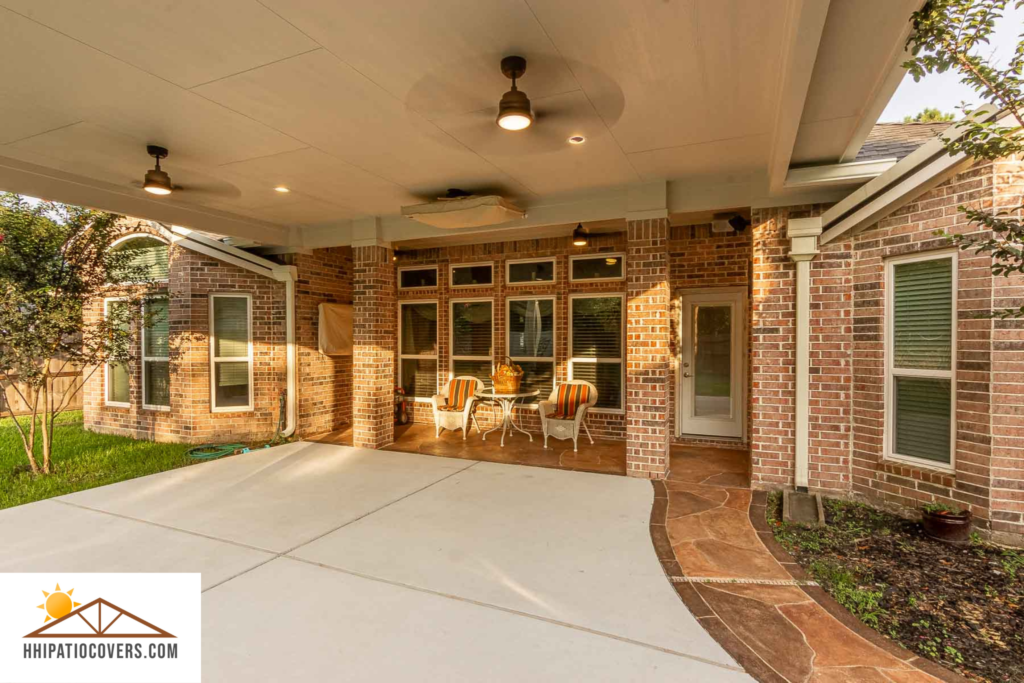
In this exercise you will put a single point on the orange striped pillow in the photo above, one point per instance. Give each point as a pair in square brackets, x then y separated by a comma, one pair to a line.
[460, 391]
[570, 398]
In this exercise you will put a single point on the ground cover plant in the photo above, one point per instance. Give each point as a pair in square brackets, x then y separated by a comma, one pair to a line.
[959, 605]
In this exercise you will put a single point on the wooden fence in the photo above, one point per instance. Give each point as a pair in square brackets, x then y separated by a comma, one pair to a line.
[63, 384]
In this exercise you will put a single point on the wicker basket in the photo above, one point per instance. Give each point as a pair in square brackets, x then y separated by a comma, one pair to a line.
[506, 384]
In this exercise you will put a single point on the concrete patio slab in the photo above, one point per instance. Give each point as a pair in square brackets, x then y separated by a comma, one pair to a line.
[275, 499]
[314, 623]
[569, 546]
[49, 536]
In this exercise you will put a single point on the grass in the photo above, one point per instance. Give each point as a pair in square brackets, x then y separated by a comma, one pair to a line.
[81, 460]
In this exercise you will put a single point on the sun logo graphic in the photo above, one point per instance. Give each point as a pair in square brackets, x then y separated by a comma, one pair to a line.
[58, 603]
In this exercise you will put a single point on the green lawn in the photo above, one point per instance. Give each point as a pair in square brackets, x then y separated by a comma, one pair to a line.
[81, 460]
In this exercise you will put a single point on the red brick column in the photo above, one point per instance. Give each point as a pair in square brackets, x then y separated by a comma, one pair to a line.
[648, 353]
[373, 352]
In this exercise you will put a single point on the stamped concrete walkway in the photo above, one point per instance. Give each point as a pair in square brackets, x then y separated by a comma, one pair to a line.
[326, 563]
[709, 530]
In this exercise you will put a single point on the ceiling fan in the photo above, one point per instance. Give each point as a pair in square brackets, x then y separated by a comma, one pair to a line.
[158, 182]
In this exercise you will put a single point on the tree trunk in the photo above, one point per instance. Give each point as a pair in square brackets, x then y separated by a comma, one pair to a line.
[46, 429]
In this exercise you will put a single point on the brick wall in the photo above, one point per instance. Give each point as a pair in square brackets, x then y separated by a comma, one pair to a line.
[603, 424]
[325, 382]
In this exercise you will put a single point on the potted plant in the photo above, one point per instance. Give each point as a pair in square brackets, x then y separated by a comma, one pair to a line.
[947, 523]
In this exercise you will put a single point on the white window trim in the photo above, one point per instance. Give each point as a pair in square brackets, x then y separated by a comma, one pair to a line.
[229, 359]
[106, 366]
[889, 434]
[476, 264]
[593, 257]
[451, 335]
[139, 235]
[427, 267]
[146, 359]
[401, 356]
[549, 259]
[553, 358]
[622, 346]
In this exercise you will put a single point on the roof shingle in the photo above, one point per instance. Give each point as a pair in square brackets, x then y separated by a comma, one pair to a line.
[897, 140]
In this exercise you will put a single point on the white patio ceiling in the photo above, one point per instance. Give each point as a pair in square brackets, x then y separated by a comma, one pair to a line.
[361, 107]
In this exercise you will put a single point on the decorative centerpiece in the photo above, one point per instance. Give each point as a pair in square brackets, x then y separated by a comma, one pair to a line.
[946, 522]
[506, 377]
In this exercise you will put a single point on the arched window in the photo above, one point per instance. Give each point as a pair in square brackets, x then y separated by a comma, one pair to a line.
[148, 251]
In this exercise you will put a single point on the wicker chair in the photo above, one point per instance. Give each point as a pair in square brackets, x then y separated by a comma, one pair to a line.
[562, 426]
[450, 416]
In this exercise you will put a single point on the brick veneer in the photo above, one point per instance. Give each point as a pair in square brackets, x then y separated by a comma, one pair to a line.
[649, 352]
[325, 382]
[374, 341]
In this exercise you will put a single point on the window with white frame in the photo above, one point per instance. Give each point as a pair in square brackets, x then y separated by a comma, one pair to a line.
[920, 358]
[596, 324]
[231, 352]
[417, 276]
[156, 363]
[531, 342]
[472, 274]
[597, 267]
[118, 389]
[417, 366]
[530, 271]
[472, 349]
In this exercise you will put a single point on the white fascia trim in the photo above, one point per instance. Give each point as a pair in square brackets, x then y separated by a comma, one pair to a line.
[838, 174]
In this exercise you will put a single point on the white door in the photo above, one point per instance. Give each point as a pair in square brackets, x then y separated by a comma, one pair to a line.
[711, 365]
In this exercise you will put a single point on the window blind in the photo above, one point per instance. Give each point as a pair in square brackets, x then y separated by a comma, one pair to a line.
[597, 346]
[231, 326]
[117, 383]
[419, 329]
[531, 328]
[419, 377]
[147, 253]
[923, 314]
[471, 328]
[923, 428]
[155, 352]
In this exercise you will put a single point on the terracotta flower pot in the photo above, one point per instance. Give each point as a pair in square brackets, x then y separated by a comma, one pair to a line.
[951, 527]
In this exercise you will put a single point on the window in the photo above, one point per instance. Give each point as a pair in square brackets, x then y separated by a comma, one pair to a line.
[148, 252]
[231, 352]
[599, 267]
[595, 346]
[411, 278]
[156, 365]
[920, 352]
[531, 342]
[530, 270]
[118, 386]
[417, 329]
[472, 335]
[472, 275]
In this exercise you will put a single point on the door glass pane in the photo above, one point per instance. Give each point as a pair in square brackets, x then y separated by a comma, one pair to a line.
[712, 360]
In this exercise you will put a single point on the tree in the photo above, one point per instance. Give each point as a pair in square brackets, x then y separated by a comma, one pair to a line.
[948, 34]
[56, 261]
[929, 115]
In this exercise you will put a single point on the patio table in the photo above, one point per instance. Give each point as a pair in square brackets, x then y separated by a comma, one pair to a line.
[508, 402]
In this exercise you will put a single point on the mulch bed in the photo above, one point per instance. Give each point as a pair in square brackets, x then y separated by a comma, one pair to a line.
[960, 606]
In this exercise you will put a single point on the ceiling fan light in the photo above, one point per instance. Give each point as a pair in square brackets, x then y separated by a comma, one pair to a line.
[514, 110]
[579, 236]
[157, 182]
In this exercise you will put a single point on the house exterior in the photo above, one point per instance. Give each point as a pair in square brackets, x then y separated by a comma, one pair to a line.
[854, 359]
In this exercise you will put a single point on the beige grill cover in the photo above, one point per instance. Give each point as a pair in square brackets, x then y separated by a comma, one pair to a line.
[336, 329]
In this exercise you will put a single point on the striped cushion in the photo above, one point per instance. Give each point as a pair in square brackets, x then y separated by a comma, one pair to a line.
[459, 391]
[570, 398]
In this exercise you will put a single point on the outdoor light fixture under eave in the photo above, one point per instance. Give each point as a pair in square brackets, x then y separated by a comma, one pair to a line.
[157, 181]
[514, 110]
[579, 236]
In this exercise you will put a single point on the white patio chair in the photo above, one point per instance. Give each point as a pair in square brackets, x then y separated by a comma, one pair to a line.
[452, 416]
[563, 419]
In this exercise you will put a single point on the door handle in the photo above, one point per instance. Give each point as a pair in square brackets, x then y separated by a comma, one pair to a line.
[686, 374]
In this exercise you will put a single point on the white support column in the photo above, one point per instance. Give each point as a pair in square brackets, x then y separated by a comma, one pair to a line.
[803, 235]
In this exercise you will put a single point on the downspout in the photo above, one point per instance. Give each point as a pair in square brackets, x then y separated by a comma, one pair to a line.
[288, 275]
[803, 234]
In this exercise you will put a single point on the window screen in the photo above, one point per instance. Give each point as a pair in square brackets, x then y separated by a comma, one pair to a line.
[156, 355]
[597, 324]
[921, 358]
[118, 385]
[232, 352]
[472, 332]
[418, 349]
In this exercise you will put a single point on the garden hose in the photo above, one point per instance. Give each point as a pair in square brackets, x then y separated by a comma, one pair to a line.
[213, 451]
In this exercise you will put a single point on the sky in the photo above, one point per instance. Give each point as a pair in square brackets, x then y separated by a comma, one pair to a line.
[945, 91]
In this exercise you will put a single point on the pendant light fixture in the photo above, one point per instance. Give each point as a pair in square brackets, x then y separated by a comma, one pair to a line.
[579, 236]
[157, 182]
[514, 110]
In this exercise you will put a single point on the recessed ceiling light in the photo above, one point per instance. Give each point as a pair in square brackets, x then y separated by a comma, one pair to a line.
[576, 140]
[282, 189]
